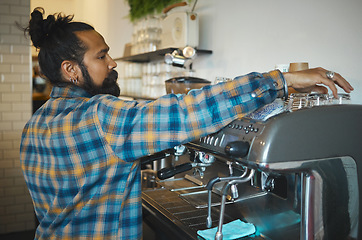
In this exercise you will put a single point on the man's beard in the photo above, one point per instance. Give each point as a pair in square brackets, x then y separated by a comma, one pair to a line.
[109, 85]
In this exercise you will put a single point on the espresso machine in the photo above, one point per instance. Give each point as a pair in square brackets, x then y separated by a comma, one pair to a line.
[296, 175]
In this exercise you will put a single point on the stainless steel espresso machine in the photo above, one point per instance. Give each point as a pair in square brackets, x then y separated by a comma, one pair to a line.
[296, 175]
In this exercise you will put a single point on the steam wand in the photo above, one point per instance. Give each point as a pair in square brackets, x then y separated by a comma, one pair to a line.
[209, 187]
[218, 235]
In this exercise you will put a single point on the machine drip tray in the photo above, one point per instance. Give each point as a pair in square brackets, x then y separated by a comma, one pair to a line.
[199, 199]
[181, 184]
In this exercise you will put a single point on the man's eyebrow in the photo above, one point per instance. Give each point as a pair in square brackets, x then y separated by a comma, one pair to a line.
[105, 50]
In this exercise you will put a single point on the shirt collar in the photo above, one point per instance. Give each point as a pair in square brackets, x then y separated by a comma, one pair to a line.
[69, 91]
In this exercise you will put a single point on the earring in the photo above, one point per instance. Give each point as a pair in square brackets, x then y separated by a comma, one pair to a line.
[74, 81]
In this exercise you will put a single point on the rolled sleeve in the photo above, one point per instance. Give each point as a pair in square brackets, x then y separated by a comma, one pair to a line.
[279, 82]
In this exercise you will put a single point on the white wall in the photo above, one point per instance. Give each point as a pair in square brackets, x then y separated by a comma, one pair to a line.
[251, 35]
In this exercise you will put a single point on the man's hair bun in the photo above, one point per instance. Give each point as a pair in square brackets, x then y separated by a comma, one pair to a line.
[42, 30]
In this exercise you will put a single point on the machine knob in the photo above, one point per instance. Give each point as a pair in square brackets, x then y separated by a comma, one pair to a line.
[237, 149]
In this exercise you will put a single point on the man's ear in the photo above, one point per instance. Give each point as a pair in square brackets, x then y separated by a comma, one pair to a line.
[70, 71]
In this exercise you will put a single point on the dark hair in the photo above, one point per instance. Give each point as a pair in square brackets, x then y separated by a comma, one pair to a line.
[56, 40]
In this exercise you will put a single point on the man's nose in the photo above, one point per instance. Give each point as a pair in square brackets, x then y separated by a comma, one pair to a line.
[112, 64]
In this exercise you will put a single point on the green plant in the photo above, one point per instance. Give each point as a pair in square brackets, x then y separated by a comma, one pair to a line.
[142, 8]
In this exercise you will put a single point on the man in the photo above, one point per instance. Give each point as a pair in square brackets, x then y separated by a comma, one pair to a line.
[79, 151]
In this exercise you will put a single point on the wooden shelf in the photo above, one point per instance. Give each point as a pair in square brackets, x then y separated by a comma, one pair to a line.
[155, 55]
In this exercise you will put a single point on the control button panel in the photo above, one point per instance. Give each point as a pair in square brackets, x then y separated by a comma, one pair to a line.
[248, 128]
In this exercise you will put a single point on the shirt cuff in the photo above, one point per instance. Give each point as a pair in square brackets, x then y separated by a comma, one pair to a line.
[279, 82]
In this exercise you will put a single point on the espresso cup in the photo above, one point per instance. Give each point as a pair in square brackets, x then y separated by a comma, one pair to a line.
[298, 66]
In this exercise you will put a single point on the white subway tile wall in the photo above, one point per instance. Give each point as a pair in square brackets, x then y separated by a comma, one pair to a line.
[16, 209]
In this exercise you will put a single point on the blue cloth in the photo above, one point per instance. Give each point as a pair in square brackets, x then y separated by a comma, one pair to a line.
[268, 111]
[232, 230]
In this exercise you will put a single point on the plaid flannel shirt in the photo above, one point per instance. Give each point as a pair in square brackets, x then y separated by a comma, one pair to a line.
[79, 152]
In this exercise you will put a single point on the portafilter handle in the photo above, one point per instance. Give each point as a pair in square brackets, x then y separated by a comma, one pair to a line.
[154, 157]
[165, 173]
